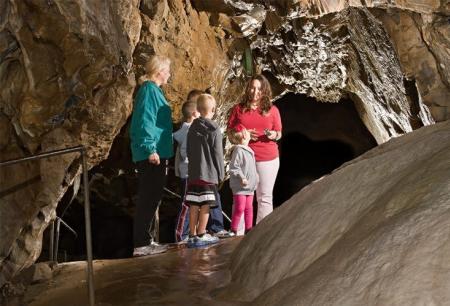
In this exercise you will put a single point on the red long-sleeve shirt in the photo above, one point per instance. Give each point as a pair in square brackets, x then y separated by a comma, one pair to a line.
[264, 148]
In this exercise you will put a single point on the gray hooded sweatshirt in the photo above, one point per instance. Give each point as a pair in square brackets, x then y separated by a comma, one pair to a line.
[243, 165]
[205, 151]
[181, 160]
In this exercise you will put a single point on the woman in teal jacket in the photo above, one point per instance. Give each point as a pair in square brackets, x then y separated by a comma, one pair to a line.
[151, 147]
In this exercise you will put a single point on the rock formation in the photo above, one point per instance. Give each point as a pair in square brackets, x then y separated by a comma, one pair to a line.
[69, 70]
[66, 80]
[374, 232]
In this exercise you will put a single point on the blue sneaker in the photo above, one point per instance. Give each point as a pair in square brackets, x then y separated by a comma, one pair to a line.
[191, 242]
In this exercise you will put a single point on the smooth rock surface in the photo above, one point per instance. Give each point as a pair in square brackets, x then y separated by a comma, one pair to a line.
[374, 232]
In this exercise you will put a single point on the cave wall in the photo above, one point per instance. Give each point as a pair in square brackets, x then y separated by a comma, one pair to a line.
[420, 43]
[66, 79]
[68, 71]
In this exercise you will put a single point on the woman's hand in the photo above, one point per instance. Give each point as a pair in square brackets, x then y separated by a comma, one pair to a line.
[253, 134]
[244, 182]
[272, 135]
[154, 159]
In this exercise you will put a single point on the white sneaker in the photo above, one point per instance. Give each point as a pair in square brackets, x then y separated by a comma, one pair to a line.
[224, 234]
[206, 239]
[184, 241]
[153, 248]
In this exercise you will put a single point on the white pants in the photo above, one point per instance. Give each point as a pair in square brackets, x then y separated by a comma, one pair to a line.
[267, 171]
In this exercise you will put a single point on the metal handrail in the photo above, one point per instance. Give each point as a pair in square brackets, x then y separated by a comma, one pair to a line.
[87, 210]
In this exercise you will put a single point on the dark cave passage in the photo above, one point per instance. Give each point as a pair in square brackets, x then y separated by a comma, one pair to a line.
[303, 160]
[317, 138]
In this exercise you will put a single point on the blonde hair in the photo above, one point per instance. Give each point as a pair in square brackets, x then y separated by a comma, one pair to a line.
[153, 66]
[205, 103]
[237, 134]
[236, 137]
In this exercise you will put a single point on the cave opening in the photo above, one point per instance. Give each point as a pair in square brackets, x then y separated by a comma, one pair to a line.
[317, 138]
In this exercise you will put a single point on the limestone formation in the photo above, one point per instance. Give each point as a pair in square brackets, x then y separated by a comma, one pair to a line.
[374, 232]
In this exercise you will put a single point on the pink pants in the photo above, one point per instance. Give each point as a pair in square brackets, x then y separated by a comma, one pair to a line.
[267, 171]
[243, 204]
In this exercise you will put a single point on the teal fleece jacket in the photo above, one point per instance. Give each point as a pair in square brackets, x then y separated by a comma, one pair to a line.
[151, 124]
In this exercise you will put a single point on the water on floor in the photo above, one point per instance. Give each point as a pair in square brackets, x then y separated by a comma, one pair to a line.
[179, 277]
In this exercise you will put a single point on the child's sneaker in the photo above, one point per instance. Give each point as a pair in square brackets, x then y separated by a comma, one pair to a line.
[191, 242]
[184, 241]
[153, 248]
[206, 239]
[224, 234]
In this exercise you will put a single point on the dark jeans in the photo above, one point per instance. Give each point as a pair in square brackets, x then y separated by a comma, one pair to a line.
[152, 180]
[215, 222]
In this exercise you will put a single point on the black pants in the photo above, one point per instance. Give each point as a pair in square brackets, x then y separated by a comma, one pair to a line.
[152, 180]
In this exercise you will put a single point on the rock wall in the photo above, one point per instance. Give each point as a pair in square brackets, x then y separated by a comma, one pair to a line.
[374, 232]
[197, 50]
[66, 76]
[421, 43]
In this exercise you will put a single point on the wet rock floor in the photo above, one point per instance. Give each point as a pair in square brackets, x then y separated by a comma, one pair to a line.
[181, 276]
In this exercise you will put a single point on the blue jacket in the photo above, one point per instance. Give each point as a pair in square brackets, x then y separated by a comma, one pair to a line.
[151, 124]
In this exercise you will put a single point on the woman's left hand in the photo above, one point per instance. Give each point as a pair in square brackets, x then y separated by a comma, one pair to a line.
[272, 135]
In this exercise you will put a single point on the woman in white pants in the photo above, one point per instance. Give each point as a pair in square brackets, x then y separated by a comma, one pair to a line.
[257, 114]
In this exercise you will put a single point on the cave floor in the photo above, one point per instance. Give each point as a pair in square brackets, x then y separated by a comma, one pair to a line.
[180, 276]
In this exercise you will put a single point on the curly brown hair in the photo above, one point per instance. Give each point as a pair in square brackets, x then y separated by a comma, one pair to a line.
[266, 95]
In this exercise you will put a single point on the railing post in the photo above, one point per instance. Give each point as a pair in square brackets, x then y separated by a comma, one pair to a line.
[87, 221]
[52, 240]
[58, 227]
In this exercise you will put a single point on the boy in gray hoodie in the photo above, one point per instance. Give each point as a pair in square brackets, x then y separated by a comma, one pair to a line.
[205, 170]
[243, 178]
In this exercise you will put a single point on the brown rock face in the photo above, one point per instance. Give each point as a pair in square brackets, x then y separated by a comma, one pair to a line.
[421, 43]
[66, 80]
[197, 50]
[372, 232]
